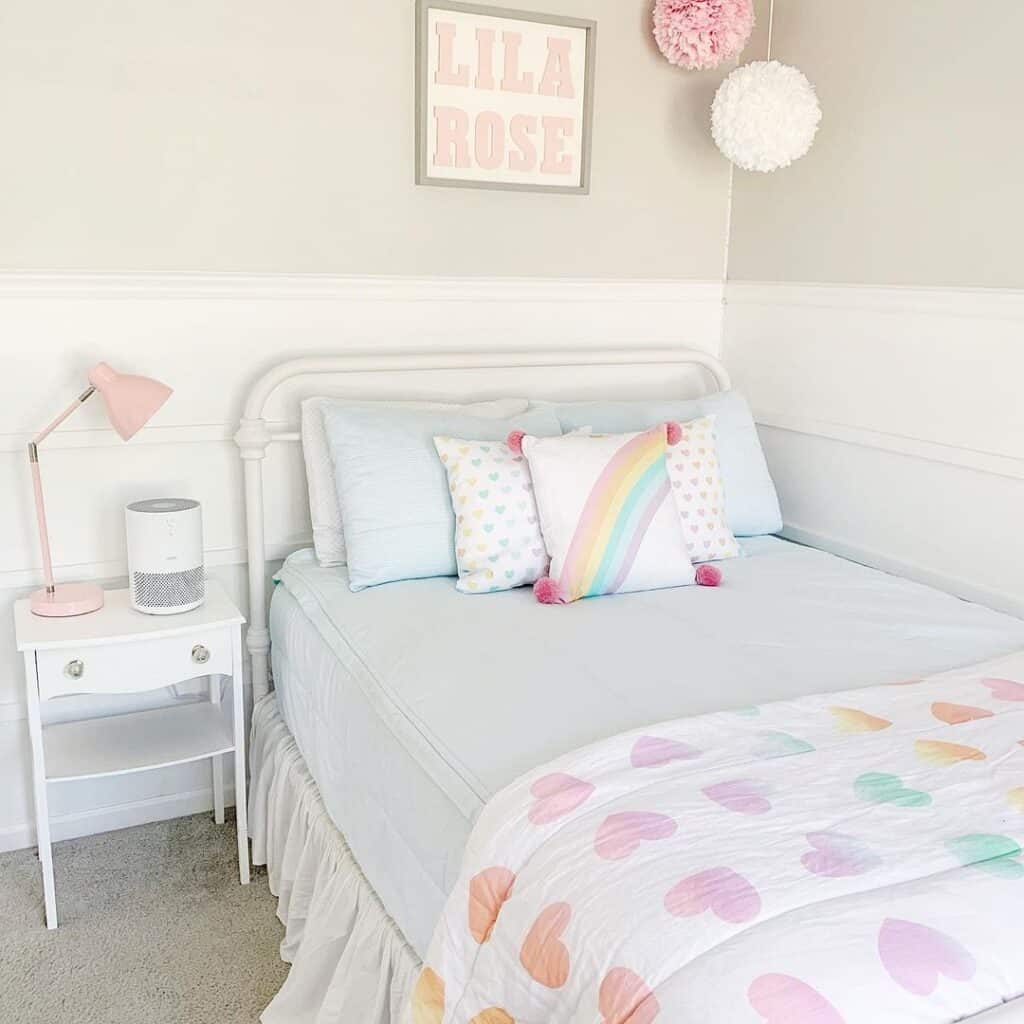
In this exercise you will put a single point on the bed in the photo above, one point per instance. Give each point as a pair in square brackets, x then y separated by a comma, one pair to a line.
[399, 712]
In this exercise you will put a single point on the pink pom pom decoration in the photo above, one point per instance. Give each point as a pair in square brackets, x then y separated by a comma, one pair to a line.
[708, 575]
[546, 591]
[515, 441]
[701, 34]
[673, 433]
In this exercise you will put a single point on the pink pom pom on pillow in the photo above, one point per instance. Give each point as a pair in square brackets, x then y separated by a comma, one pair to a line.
[515, 441]
[708, 575]
[701, 34]
[546, 591]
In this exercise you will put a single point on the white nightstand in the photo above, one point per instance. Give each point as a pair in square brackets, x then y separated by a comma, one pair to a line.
[120, 650]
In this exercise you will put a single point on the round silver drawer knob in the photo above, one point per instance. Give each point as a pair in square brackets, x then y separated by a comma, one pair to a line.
[74, 669]
[200, 654]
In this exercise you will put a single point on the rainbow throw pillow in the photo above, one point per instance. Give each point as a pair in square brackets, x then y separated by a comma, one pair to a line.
[607, 514]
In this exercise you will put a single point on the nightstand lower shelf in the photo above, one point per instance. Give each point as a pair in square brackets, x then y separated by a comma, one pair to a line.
[121, 744]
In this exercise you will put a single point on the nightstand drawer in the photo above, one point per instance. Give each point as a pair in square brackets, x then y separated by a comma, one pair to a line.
[133, 667]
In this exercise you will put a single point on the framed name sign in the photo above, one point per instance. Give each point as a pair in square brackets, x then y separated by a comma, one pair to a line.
[504, 98]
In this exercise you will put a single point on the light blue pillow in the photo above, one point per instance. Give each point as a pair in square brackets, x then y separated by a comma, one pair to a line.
[393, 490]
[751, 504]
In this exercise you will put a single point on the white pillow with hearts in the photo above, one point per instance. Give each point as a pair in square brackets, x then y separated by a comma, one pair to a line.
[700, 497]
[498, 543]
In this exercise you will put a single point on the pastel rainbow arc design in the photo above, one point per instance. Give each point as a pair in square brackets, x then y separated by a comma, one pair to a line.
[615, 518]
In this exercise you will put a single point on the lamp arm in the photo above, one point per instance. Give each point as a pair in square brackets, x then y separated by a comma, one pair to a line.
[37, 483]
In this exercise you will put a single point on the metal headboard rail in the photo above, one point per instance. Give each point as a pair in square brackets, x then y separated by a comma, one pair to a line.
[254, 435]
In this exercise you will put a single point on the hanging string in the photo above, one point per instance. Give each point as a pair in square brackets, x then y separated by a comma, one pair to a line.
[771, 25]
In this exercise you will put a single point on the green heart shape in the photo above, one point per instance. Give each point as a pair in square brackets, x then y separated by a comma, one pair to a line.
[780, 744]
[880, 788]
[991, 853]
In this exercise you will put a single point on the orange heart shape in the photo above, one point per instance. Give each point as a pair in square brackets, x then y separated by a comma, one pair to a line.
[492, 1015]
[487, 894]
[624, 998]
[939, 752]
[957, 714]
[543, 955]
[428, 998]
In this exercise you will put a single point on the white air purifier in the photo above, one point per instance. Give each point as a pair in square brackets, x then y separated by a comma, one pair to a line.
[165, 555]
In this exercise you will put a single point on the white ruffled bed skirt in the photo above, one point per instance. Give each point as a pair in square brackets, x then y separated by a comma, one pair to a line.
[349, 960]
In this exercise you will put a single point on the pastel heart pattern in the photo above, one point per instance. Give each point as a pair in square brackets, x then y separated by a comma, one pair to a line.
[428, 998]
[624, 998]
[850, 720]
[940, 752]
[543, 953]
[620, 834]
[1016, 798]
[557, 795]
[957, 714]
[994, 854]
[782, 999]
[652, 752]
[838, 856]
[728, 895]
[1004, 689]
[742, 796]
[915, 956]
[780, 744]
[882, 788]
[488, 892]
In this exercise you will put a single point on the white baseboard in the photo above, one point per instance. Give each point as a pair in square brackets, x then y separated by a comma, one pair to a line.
[107, 819]
[999, 600]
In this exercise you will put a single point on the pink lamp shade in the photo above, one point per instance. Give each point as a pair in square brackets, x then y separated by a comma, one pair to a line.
[131, 401]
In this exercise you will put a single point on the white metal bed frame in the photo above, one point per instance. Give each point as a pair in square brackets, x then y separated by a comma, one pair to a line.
[255, 436]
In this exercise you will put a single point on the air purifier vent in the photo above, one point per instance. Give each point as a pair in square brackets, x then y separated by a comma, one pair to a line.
[160, 590]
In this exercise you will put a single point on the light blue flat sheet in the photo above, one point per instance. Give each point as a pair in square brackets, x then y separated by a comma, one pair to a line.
[412, 703]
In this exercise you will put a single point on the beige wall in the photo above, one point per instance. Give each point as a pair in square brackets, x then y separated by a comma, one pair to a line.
[262, 135]
[915, 177]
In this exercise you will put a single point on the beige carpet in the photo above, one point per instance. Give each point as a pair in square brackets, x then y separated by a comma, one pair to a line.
[154, 929]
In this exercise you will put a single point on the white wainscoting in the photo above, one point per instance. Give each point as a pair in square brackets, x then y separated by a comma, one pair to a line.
[210, 336]
[893, 420]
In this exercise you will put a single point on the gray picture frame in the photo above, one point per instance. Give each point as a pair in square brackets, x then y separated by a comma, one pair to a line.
[423, 177]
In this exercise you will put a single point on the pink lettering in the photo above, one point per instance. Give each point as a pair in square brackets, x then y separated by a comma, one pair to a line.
[485, 58]
[490, 140]
[556, 131]
[446, 73]
[452, 137]
[512, 80]
[521, 128]
[557, 77]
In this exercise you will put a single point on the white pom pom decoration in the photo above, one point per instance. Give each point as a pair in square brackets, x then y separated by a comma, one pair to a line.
[765, 116]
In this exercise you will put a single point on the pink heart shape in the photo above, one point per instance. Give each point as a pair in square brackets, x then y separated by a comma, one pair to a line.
[624, 998]
[729, 896]
[557, 795]
[781, 999]
[743, 796]
[543, 954]
[915, 955]
[838, 856]
[620, 834]
[1005, 689]
[652, 751]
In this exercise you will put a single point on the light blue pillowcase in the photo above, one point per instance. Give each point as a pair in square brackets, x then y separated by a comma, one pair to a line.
[751, 504]
[393, 490]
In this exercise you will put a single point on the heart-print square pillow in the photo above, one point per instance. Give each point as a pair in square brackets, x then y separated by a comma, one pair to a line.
[700, 497]
[498, 542]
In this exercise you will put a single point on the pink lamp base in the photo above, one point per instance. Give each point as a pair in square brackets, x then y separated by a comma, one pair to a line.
[67, 599]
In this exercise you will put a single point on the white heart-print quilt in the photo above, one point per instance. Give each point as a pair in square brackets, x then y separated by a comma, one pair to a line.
[852, 858]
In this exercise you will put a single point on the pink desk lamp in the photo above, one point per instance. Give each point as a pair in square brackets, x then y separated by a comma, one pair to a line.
[131, 402]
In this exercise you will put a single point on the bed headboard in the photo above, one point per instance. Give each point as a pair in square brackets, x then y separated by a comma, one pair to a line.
[255, 435]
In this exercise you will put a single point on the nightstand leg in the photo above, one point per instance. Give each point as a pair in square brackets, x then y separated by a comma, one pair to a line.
[238, 697]
[35, 732]
[217, 761]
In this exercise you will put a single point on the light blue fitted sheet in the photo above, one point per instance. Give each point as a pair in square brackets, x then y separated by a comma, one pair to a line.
[412, 703]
